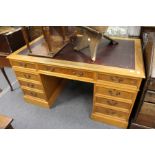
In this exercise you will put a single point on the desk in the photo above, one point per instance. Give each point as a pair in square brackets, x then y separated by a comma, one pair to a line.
[116, 75]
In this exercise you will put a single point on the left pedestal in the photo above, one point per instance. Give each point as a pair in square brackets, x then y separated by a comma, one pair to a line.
[38, 89]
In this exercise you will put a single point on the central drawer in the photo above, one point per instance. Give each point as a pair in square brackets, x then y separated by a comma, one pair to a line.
[105, 90]
[27, 76]
[111, 112]
[67, 71]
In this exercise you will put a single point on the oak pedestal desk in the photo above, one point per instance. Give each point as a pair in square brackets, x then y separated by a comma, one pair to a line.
[116, 74]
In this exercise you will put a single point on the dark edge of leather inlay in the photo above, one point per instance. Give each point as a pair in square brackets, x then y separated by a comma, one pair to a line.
[121, 55]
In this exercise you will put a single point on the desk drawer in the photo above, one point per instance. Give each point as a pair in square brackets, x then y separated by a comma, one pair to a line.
[30, 85]
[27, 76]
[23, 64]
[114, 103]
[67, 71]
[111, 112]
[118, 79]
[115, 92]
[34, 94]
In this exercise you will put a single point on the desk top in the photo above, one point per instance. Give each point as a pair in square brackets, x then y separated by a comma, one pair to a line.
[124, 58]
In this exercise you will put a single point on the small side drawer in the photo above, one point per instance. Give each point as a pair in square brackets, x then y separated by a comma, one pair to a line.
[111, 112]
[118, 79]
[30, 85]
[23, 64]
[115, 103]
[115, 92]
[150, 96]
[34, 94]
[27, 76]
[67, 71]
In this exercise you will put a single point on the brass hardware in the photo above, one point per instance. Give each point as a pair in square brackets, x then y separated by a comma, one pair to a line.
[33, 94]
[111, 102]
[111, 112]
[74, 72]
[80, 74]
[52, 69]
[77, 73]
[23, 64]
[116, 79]
[27, 76]
[49, 68]
[114, 92]
[118, 93]
[30, 85]
[110, 92]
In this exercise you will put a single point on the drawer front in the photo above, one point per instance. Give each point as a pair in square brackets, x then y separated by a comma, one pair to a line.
[34, 94]
[150, 96]
[27, 76]
[31, 85]
[151, 85]
[23, 64]
[111, 112]
[113, 103]
[118, 79]
[67, 71]
[115, 93]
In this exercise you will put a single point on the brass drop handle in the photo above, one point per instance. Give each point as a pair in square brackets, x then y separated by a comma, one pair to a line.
[49, 68]
[118, 93]
[74, 72]
[23, 64]
[52, 69]
[134, 82]
[111, 102]
[30, 85]
[116, 79]
[33, 94]
[27, 76]
[110, 92]
[114, 92]
[80, 74]
[111, 112]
